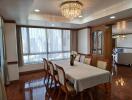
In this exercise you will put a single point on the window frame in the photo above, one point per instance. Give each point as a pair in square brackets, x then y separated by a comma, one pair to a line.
[47, 53]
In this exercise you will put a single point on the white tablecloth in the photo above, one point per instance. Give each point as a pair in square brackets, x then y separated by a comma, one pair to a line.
[84, 76]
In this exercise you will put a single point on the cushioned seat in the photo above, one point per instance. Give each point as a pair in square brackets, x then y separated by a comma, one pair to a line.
[65, 85]
[102, 64]
[87, 61]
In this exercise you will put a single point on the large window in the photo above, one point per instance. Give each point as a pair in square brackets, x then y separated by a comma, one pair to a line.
[41, 43]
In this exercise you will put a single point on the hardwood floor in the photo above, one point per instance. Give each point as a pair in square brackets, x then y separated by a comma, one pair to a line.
[31, 87]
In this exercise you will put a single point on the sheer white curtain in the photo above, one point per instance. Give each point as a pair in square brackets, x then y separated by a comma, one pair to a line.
[54, 43]
[66, 43]
[34, 44]
[41, 43]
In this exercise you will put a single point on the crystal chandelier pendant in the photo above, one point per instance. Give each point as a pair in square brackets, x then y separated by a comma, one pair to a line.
[71, 9]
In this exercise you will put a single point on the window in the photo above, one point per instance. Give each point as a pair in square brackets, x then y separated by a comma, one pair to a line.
[41, 43]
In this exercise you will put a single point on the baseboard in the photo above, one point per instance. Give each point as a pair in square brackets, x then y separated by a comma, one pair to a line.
[30, 72]
[128, 65]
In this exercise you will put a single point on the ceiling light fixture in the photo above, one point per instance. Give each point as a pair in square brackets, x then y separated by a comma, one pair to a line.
[121, 29]
[71, 9]
[37, 10]
[112, 17]
[80, 16]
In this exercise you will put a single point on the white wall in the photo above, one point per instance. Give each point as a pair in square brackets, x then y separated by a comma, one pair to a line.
[31, 67]
[11, 42]
[84, 41]
[11, 50]
[126, 42]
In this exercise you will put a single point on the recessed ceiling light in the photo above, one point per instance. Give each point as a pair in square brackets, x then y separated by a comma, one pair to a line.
[80, 16]
[112, 17]
[37, 10]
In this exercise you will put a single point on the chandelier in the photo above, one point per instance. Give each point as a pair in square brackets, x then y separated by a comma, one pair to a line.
[71, 9]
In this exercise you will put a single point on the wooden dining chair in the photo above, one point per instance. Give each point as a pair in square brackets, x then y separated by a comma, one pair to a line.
[47, 76]
[103, 64]
[54, 77]
[65, 85]
[46, 70]
[88, 60]
[77, 57]
[82, 57]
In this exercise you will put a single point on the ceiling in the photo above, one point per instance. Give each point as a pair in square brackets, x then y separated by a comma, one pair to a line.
[89, 6]
[94, 12]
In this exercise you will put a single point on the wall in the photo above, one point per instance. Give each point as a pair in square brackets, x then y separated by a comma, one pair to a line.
[126, 42]
[30, 67]
[73, 44]
[11, 51]
[84, 41]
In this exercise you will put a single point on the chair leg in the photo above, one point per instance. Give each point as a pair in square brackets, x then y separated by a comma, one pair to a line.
[90, 94]
[107, 87]
[81, 96]
[45, 78]
[48, 82]
[55, 88]
[51, 82]
[66, 96]
[59, 93]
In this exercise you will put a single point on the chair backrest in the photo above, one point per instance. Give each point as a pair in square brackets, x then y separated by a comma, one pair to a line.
[82, 57]
[102, 64]
[45, 62]
[61, 75]
[51, 67]
[88, 60]
[77, 57]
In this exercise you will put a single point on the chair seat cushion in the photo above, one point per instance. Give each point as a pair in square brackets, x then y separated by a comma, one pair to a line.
[102, 64]
[87, 61]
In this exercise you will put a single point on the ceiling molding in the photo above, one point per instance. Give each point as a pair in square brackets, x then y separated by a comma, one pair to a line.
[126, 4]
[22, 12]
[47, 17]
[45, 27]
[83, 22]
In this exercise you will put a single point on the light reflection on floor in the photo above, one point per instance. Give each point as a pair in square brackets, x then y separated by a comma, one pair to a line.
[35, 90]
[120, 81]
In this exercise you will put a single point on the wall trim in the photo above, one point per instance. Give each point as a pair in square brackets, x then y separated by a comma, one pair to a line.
[30, 72]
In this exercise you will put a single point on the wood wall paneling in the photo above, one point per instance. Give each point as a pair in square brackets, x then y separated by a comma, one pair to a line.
[107, 50]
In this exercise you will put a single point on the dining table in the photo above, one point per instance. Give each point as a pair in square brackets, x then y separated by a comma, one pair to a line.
[83, 76]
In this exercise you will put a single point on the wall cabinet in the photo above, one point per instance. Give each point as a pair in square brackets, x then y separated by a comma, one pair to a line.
[98, 42]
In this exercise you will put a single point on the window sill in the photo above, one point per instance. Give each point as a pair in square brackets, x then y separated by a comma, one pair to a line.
[34, 63]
